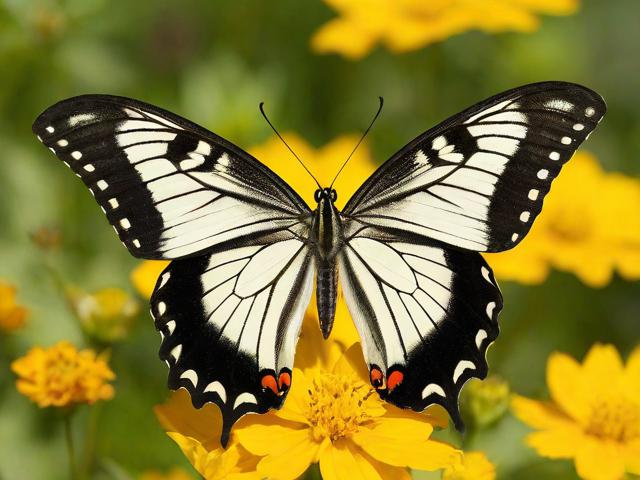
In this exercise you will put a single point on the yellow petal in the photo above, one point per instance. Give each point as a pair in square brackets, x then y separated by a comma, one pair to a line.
[603, 369]
[145, 276]
[343, 36]
[352, 362]
[632, 372]
[179, 415]
[288, 452]
[342, 461]
[598, 460]
[567, 387]
[405, 442]
[258, 438]
[540, 415]
[631, 452]
[296, 404]
[435, 415]
[559, 442]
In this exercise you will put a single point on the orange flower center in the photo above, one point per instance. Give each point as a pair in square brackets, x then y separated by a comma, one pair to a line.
[616, 419]
[336, 406]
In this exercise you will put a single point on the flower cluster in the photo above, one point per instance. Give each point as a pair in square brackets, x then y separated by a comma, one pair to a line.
[12, 315]
[590, 236]
[405, 25]
[62, 376]
[593, 416]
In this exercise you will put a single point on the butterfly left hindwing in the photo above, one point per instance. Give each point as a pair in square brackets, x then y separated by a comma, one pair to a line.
[230, 321]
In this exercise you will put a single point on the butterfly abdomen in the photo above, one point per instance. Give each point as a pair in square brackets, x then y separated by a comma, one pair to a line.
[326, 294]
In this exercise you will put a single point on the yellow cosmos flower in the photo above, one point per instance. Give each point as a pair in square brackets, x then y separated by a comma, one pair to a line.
[333, 417]
[405, 25]
[173, 474]
[197, 433]
[593, 416]
[105, 315]
[12, 315]
[589, 226]
[62, 376]
[474, 466]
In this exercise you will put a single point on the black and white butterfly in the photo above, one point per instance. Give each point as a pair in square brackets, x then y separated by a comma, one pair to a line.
[246, 248]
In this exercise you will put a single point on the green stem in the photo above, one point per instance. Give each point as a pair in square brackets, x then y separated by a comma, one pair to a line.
[71, 452]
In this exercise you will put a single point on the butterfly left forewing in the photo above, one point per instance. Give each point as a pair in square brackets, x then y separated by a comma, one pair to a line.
[169, 187]
[230, 322]
[477, 181]
[425, 314]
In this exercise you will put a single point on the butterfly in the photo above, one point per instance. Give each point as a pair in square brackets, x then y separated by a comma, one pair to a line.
[246, 249]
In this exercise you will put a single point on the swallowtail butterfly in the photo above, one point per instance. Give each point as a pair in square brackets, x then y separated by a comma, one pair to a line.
[246, 249]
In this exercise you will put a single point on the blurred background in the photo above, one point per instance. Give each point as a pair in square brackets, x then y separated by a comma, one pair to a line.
[214, 62]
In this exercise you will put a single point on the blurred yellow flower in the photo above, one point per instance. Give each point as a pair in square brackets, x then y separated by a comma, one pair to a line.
[175, 473]
[589, 226]
[197, 433]
[333, 417]
[593, 416]
[62, 376]
[12, 315]
[405, 25]
[105, 315]
[474, 466]
[145, 276]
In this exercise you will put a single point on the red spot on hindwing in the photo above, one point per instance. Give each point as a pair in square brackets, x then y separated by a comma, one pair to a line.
[376, 377]
[395, 379]
[284, 381]
[269, 381]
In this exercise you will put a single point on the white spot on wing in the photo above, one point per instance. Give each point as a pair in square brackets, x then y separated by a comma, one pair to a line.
[162, 308]
[461, 367]
[136, 243]
[578, 127]
[89, 167]
[533, 194]
[62, 142]
[164, 279]
[559, 104]
[480, 336]
[50, 129]
[175, 353]
[218, 388]
[76, 155]
[171, 326]
[524, 216]
[554, 156]
[589, 112]
[490, 307]
[102, 185]
[190, 375]
[114, 203]
[439, 143]
[124, 223]
[245, 397]
[543, 173]
[566, 140]
[80, 118]
[433, 388]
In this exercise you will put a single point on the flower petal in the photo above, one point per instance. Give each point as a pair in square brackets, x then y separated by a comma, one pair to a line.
[541, 415]
[567, 387]
[342, 461]
[288, 455]
[145, 276]
[405, 442]
[561, 442]
[599, 460]
[296, 404]
[331, 38]
[258, 438]
[352, 362]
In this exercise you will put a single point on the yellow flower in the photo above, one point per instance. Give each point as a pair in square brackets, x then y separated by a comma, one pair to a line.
[197, 433]
[173, 474]
[145, 276]
[61, 376]
[12, 315]
[333, 417]
[475, 466]
[106, 315]
[404, 25]
[593, 416]
[589, 226]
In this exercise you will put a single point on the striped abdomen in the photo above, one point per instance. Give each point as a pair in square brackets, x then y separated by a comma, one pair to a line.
[326, 294]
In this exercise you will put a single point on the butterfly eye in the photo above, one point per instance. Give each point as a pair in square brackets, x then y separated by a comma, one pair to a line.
[317, 195]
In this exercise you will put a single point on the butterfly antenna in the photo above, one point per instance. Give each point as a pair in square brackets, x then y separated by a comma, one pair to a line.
[359, 141]
[286, 144]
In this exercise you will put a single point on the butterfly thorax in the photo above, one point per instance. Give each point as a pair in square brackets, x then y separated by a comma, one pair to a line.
[327, 234]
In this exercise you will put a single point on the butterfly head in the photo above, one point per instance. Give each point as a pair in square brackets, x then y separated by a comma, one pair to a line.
[327, 194]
